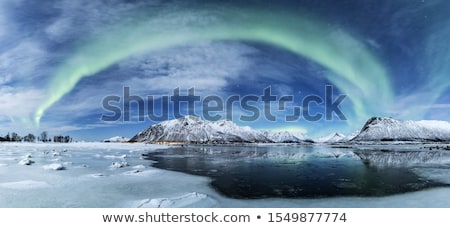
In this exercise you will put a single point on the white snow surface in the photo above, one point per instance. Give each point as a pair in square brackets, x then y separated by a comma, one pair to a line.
[88, 181]
[24, 185]
[54, 166]
[26, 161]
[193, 199]
[385, 128]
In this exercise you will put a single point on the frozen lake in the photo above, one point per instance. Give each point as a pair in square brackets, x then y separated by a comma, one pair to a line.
[296, 171]
[118, 175]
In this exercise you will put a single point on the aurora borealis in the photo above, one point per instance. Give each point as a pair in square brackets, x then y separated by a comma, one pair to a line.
[304, 38]
[390, 59]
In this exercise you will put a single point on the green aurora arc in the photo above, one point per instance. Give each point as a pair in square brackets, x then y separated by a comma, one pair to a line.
[353, 68]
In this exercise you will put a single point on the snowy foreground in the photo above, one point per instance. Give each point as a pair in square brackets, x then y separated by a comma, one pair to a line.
[114, 175]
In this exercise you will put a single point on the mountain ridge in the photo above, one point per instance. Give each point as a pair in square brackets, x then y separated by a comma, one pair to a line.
[192, 129]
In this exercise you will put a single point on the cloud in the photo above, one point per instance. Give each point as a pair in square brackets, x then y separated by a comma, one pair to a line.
[417, 105]
[2, 24]
[23, 61]
[4, 20]
[440, 106]
[5, 78]
[19, 103]
[207, 66]
[84, 17]
[62, 127]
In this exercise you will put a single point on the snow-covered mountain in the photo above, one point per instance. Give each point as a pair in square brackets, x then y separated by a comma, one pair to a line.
[389, 129]
[195, 130]
[349, 137]
[332, 138]
[117, 139]
[285, 137]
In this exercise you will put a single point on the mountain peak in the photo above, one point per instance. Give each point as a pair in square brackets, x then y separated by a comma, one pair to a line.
[378, 120]
[331, 138]
[189, 118]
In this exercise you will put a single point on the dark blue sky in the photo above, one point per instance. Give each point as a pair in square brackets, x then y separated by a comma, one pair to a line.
[60, 59]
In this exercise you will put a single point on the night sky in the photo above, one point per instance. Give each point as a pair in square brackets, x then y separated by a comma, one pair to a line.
[60, 59]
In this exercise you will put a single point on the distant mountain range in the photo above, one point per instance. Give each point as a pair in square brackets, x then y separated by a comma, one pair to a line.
[192, 129]
[117, 139]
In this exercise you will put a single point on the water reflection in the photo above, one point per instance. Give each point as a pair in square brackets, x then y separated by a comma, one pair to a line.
[290, 171]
